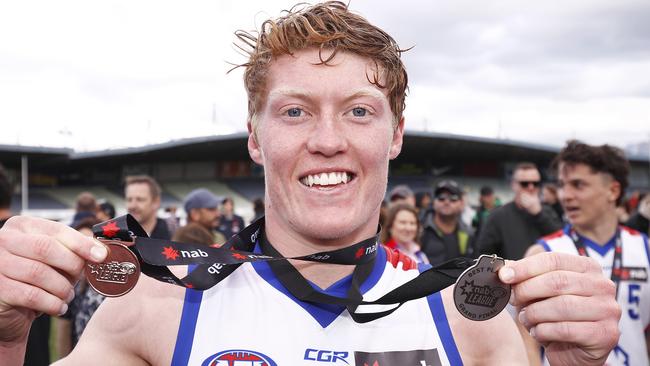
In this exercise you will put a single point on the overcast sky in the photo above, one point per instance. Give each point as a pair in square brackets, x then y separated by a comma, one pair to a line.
[105, 74]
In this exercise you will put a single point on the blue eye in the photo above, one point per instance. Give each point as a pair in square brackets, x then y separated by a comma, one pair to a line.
[359, 112]
[294, 112]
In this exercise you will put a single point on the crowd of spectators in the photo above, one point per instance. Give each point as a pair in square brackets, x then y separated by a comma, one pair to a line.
[428, 226]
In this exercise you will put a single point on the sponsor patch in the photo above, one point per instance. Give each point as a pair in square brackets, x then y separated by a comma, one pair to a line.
[427, 357]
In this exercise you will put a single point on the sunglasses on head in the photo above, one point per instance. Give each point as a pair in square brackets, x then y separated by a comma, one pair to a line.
[527, 183]
[448, 197]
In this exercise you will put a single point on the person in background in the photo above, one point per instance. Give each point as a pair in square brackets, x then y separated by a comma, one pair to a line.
[173, 222]
[231, 223]
[105, 211]
[402, 230]
[486, 202]
[142, 194]
[550, 198]
[401, 193]
[640, 220]
[194, 233]
[424, 205]
[71, 325]
[444, 235]
[592, 182]
[86, 206]
[202, 208]
[511, 228]
[258, 208]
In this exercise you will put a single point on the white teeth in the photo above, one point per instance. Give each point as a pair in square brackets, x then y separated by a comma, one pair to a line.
[333, 179]
[326, 179]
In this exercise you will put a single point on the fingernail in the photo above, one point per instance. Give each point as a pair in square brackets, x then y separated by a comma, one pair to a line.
[64, 309]
[70, 296]
[507, 274]
[522, 316]
[98, 252]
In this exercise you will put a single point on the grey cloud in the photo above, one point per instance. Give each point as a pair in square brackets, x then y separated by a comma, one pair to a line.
[539, 49]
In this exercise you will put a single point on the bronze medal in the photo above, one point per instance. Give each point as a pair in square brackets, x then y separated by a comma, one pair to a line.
[119, 272]
[478, 293]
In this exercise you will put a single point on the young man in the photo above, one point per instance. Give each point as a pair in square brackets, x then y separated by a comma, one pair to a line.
[142, 194]
[592, 182]
[326, 94]
[444, 235]
[511, 228]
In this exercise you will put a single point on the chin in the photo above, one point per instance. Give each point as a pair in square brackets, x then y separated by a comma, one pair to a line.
[328, 230]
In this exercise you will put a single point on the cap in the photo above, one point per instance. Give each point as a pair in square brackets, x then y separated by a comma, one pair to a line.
[449, 186]
[399, 192]
[200, 198]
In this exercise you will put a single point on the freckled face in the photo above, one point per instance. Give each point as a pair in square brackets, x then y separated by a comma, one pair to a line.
[325, 137]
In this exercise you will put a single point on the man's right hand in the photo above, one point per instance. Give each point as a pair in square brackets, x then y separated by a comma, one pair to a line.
[40, 261]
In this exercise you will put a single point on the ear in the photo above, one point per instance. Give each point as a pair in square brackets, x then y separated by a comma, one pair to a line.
[398, 139]
[614, 190]
[254, 149]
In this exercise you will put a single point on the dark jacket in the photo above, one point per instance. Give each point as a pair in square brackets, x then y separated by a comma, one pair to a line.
[161, 231]
[440, 247]
[639, 223]
[509, 230]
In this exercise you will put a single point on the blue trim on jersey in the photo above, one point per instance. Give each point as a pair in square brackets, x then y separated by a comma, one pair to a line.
[187, 327]
[645, 242]
[442, 324]
[600, 249]
[544, 245]
[324, 314]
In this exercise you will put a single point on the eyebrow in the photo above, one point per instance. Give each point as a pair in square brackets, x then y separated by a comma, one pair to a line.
[309, 96]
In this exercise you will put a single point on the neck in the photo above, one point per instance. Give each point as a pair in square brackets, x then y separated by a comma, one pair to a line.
[291, 243]
[150, 224]
[5, 213]
[446, 224]
[601, 230]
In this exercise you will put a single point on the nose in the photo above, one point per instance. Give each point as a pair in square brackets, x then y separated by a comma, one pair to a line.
[327, 137]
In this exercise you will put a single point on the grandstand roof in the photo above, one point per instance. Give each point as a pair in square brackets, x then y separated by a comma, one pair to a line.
[10, 155]
[416, 143]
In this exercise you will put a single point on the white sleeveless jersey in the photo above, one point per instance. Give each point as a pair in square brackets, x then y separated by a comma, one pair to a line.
[633, 295]
[250, 319]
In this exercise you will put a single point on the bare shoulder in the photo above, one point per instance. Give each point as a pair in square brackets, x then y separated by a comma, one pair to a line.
[490, 342]
[534, 249]
[136, 329]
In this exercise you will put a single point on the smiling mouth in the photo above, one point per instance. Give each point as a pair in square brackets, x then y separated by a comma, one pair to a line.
[327, 179]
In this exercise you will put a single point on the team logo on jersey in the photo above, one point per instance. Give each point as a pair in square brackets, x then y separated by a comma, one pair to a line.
[238, 357]
[427, 357]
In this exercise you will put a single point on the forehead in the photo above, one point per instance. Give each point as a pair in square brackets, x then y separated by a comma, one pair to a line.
[138, 189]
[575, 171]
[404, 215]
[301, 74]
[526, 174]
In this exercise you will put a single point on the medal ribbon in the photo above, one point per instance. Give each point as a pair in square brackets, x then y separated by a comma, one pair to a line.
[214, 264]
[617, 262]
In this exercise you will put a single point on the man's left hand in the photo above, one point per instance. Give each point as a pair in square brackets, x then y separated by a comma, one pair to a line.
[567, 305]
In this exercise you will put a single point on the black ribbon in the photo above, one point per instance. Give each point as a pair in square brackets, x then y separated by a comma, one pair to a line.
[214, 264]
